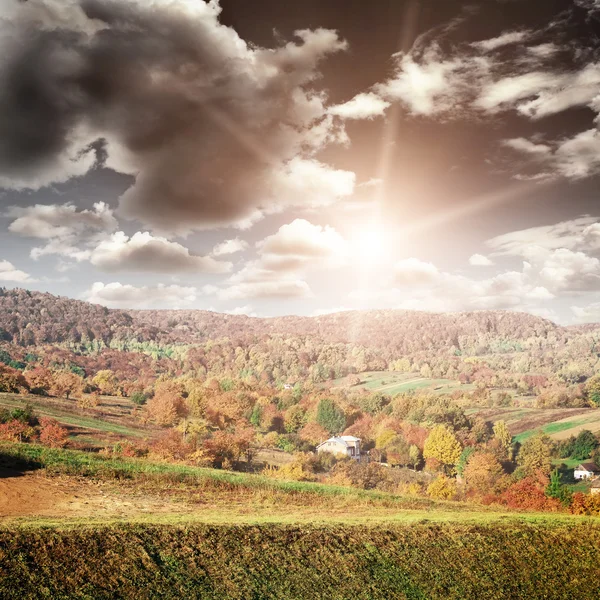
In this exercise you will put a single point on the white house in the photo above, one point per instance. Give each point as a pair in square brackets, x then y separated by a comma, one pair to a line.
[587, 470]
[345, 445]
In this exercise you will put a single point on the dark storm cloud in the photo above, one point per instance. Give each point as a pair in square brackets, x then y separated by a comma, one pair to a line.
[215, 132]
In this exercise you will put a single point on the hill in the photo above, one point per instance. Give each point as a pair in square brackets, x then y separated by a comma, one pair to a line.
[34, 318]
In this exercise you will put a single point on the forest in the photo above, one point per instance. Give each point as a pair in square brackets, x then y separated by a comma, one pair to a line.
[241, 393]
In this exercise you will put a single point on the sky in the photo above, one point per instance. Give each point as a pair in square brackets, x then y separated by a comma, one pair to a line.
[271, 158]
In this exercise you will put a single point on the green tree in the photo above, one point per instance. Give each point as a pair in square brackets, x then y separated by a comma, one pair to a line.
[584, 444]
[556, 489]
[331, 417]
[464, 458]
[592, 390]
[443, 446]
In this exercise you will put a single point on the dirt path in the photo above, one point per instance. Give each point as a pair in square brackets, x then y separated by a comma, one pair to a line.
[35, 494]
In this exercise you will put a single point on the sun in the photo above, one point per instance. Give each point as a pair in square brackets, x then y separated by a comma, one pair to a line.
[369, 246]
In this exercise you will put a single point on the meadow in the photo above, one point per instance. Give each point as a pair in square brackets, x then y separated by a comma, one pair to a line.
[393, 382]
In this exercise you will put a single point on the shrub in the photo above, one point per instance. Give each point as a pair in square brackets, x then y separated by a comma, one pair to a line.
[52, 434]
[442, 488]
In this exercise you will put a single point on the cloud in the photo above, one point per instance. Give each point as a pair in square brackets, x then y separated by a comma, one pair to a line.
[49, 221]
[242, 310]
[414, 272]
[362, 106]
[301, 244]
[428, 84]
[528, 147]
[229, 247]
[144, 252]
[9, 273]
[117, 295]
[63, 225]
[280, 289]
[534, 242]
[479, 260]
[216, 132]
[587, 314]
[565, 270]
[507, 38]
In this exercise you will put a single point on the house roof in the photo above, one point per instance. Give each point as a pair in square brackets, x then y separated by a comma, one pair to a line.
[588, 466]
[344, 439]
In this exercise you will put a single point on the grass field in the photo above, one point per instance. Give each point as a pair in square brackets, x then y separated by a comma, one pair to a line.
[93, 427]
[392, 383]
[295, 562]
[224, 535]
[558, 423]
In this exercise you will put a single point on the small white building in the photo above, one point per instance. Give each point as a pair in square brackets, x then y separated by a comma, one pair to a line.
[587, 470]
[345, 445]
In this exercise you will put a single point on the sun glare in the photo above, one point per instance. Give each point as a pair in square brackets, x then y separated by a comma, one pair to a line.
[370, 246]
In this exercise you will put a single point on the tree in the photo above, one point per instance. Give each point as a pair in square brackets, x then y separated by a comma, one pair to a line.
[295, 418]
[66, 384]
[592, 390]
[442, 488]
[556, 489]
[583, 445]
[330, 416]
[52, 434]
[166, 407]
[39, 380]
[535, 455]
[313, 433]
[483, 472]
[504, 438]
[415, 456]
[443, 446]
[106, 382]
[11, 380]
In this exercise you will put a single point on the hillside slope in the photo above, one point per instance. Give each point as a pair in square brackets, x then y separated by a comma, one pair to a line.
[33, 318]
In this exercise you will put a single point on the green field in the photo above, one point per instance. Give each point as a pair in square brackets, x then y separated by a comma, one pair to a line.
[96, 426]
[392, 383]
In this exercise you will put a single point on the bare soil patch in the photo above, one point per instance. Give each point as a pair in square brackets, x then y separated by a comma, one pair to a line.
[35, 494]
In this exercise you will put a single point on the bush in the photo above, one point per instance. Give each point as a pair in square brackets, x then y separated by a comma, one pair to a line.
[442, 488]
[52, 434]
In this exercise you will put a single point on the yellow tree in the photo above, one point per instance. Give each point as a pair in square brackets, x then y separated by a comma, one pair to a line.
[483, 472]
[504, 438]
[534, 455]
[443, 446]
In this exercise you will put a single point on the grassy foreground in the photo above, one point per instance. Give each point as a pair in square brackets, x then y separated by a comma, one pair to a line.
[433, 561]
[249, 537]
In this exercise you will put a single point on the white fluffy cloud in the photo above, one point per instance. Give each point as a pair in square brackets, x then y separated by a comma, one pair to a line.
[414, 272]
[506, 39]
[282, 288]
[363, 106]
[586, 314]
[52, 221]
[301, 244]
[117, 295]
[428, 84]
[144, 252]
[531, 243]
[9, 273]
[64, 227]
[229, 247]
[479, 260]
[296, 247]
